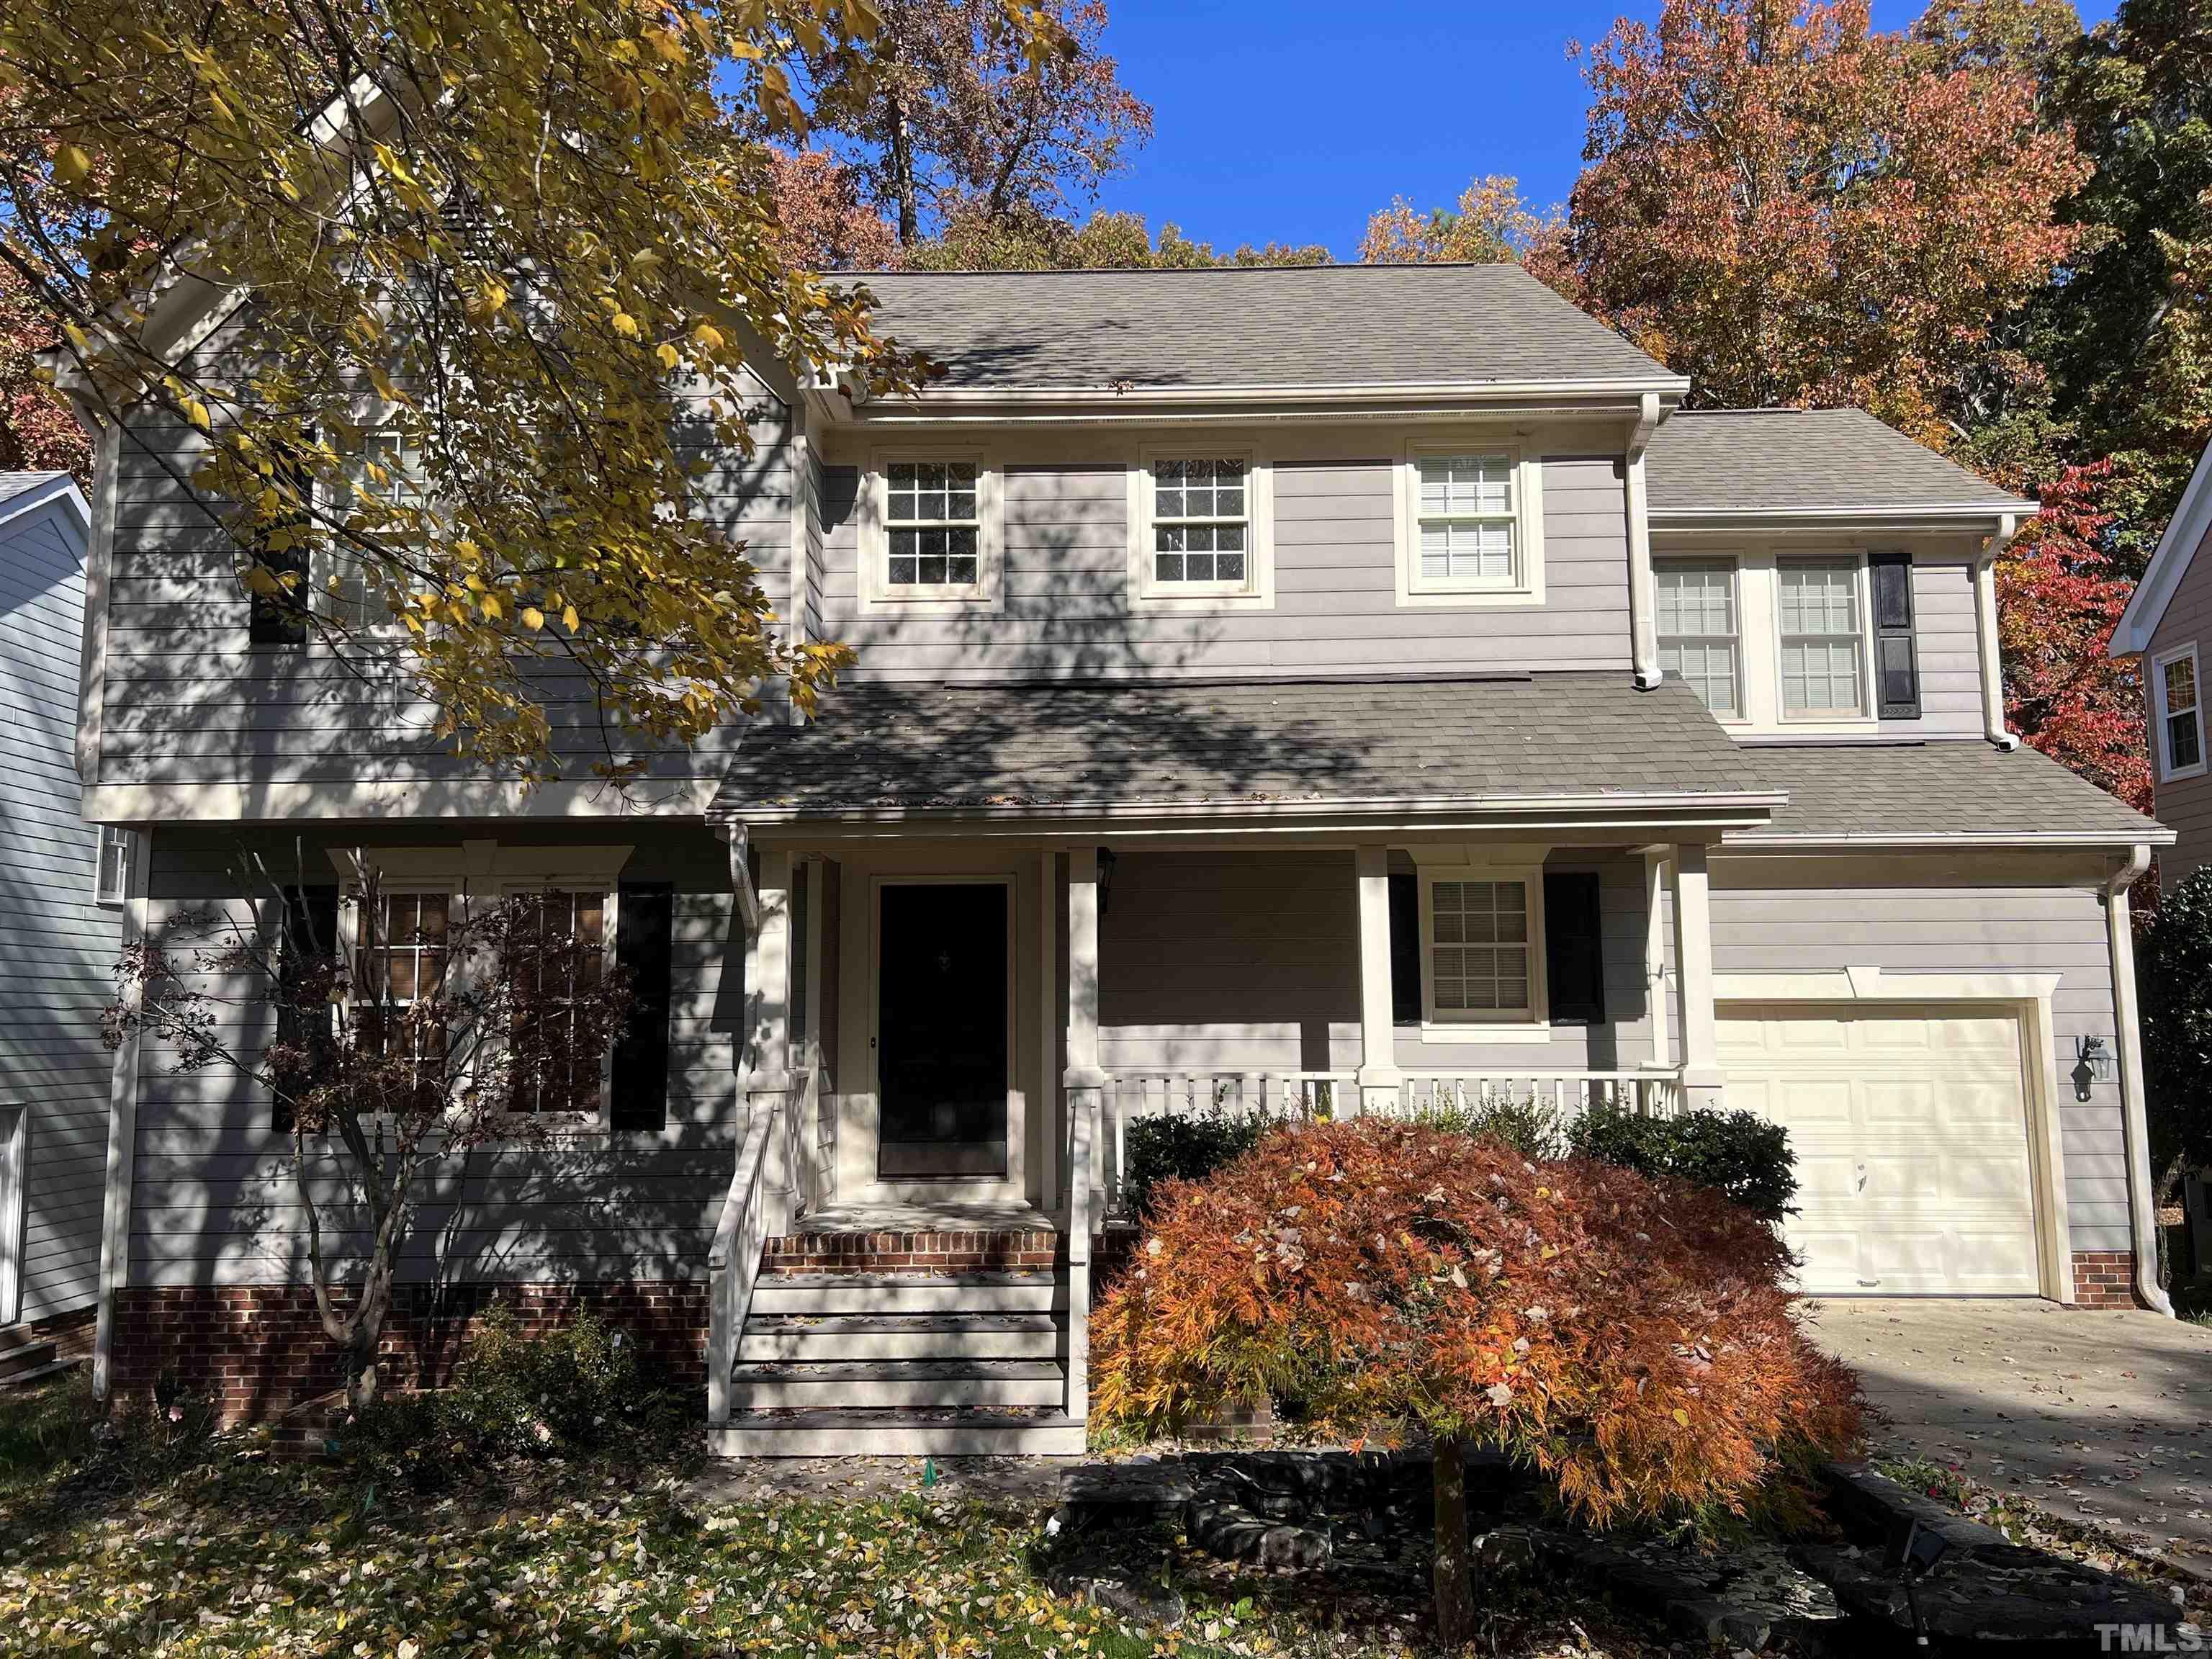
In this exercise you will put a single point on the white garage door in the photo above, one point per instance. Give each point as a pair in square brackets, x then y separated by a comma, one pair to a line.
[1910, 1124]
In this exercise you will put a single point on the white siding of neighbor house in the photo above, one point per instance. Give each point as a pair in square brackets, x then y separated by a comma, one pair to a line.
[214, 1200]
[1993, 915]
[2185, 803]
[57, 946]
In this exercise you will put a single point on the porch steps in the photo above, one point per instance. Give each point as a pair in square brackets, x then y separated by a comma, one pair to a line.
[25, 1358]
[1016, 1291]
[867, 1384]
[812, 1339]
[975, 1431]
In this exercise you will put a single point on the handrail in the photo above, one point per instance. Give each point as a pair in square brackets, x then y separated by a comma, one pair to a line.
[1651, 1091]
[741, 1232]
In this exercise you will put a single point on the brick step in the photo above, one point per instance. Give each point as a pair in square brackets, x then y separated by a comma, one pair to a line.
[21, 1353]
[937, 1250]
[869, 1384]
[957, 1432]
[1021, 1292]
[815, 1338]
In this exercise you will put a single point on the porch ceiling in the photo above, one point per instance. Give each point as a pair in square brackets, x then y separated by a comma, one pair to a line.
[1503, 748]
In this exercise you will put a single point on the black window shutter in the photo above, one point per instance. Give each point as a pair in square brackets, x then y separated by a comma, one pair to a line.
[1406, 950]
[645, 926]
[1574, 947]
[281, 618]
[311, 930]
[1896, 666]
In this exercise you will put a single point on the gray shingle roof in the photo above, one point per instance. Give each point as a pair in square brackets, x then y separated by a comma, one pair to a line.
[1959, 788]
[1779, 460]
[1311, 325]
[1265, 742]
[12, 484]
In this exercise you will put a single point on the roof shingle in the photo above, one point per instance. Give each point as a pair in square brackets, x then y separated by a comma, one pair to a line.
[1892, 791]
[1795, 460]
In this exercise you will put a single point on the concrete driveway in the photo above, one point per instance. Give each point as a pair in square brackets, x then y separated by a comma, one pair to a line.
[2099, 1418]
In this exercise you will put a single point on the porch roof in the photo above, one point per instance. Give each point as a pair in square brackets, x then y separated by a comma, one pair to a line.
[1503, 743]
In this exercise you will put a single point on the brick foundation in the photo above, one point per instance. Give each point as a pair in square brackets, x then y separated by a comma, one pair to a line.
[258, 1349]
[929, 1252]
[2105, 1279]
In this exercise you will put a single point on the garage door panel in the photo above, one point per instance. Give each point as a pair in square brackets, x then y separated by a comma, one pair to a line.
[1910, 1126]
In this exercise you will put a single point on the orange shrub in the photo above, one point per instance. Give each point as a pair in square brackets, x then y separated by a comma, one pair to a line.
[1627, 1336]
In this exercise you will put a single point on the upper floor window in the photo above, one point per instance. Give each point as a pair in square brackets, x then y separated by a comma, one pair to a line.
[111, 877]
[1821, 638]
[388, 498]
[931, 534]
[1468, 526]
[2180, 715]
[1198, 530]
[1698, 632]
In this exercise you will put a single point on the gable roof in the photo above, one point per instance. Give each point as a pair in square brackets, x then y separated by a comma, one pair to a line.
[26, 492]
[1805, 463]
[1134, 749]
[1251, 327]
[2185, 533]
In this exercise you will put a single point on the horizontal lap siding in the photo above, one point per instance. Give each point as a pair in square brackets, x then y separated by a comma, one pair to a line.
[188, 699]
[1066, 586]
[214, 1199]
[2185, 805]
[1946, 643]
[57, 946]
[1762, 926]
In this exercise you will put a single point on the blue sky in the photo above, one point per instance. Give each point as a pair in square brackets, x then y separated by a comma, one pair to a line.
[1292, 120]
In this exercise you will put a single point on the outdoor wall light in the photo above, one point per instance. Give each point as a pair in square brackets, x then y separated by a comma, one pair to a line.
[2092, 1063]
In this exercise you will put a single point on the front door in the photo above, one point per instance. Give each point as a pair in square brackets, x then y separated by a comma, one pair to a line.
[941, 1036]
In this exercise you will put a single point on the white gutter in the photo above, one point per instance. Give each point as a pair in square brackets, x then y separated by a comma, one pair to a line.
[1977, 512]
[1360, 392]
[2146, 835]
[1985, 620]
[1713, 807]
[2143, 1197]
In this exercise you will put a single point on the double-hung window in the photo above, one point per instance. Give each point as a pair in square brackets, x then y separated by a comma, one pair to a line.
[1482, 945]
[401, 958]
[933, 526]
[1469, 528]
[110, 882]
[2180, 715]
[388, 501]
[1821, 638]
[1201, 525]
[567, 936]
[1699, 631]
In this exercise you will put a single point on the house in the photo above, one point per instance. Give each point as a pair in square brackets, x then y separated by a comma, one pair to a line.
[59, 896]
[2167, 620]
[1335, 689]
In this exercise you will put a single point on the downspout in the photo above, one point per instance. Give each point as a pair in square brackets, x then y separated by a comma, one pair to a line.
[2135, 1134]
[1985, 617]
[1642, 598]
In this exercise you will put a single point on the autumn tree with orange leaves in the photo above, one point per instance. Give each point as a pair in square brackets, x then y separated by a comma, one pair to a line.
[1627, 1337]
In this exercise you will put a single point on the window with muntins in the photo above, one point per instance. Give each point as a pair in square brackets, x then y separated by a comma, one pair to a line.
[400, 958]
[386, 478]
[1201, 525]
[1468, 521]
[933, 526]
[553, 917]
[1817, 610]
[112, 878]
[2181, 720]
[1479, 948]
[1698, 632]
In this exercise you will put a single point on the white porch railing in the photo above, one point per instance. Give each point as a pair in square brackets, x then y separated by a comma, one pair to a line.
[755, 1209]
[1650, 1093]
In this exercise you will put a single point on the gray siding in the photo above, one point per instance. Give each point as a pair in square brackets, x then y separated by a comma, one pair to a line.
[2184, 804]
[1910, 916]
[1067, 585]
[1946, 641]
[212, 1200]
[188, 699]
[57, 946]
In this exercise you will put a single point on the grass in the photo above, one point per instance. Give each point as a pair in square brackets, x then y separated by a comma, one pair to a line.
[175, 1546]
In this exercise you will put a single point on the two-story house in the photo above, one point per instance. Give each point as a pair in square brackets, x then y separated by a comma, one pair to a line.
[1340, 689]
[2167, 623]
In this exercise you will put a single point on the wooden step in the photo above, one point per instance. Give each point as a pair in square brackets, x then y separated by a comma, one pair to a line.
[1036, 1291]
[24, 1354]
[872, 1385]
[24, 1379]
[976, 1432]
[817, 1337]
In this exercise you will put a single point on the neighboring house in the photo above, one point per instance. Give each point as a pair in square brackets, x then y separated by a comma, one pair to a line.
[1345, 688]
[58, 932]
[2168, 624]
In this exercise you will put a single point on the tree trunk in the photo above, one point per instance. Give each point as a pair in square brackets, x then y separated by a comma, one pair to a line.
[362, 1377]
[1454, 1569]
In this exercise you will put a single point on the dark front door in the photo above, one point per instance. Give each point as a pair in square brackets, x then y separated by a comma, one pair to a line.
[941, 1032]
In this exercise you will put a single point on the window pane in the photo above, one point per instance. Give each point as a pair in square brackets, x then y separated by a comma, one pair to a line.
[1464, 484]
[2180, 685]
[2183, 749]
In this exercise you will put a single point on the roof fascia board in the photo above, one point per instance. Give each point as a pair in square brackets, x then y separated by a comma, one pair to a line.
[1965, 515]
[2185, 533]
[61, 488]
[1015, 405]
[2146, 835]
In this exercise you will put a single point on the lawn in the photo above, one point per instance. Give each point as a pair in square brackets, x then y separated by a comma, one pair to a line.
[173, 1544]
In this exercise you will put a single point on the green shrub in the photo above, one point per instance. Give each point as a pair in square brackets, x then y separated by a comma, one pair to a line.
[571, 1387]
[1182, 1148]
[47, 1425]
[1744, 1156]
[1530, 1126]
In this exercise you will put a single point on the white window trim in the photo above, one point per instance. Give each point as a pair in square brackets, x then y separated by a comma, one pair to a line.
[322, 565]
[1528, 588]
[1734, 568]
[1856, 558]
[987, 593]
[2167, 772]
[1257, 591]
[1462, 1025]
[108, 898]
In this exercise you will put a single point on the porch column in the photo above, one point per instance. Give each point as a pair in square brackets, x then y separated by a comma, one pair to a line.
[1694, 965]
[767, 1078]
[1379, 1077]
[1084, 1086]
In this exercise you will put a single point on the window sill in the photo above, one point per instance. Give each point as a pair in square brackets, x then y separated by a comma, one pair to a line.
[1474, 598]
[932, 602]
[1449, 1033]
[1227, 598]
[2182, 773]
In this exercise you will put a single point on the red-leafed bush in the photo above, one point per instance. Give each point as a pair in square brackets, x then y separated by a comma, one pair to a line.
[1627, 1336]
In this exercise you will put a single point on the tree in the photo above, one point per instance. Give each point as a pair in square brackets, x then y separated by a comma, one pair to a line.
[1793, 209]
[37, 433]
[1490, 225]
[1627, 1336]
[952, 112]
[2174, 972]
[447, 1029]
[536, 241]
[825, 224]
[1022, 240]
